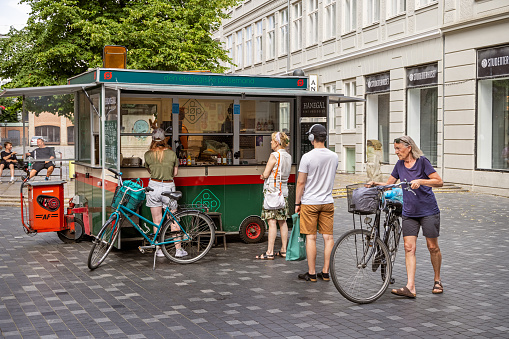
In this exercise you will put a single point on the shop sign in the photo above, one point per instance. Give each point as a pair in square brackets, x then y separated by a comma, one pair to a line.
[313, 82]
[313, 107]
[493, 62]
[378, 83]
[426, 75]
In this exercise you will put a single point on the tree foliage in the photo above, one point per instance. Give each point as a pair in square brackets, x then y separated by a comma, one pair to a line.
[64, 38]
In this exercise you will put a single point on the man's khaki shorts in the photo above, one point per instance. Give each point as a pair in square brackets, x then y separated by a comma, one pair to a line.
[317, 217]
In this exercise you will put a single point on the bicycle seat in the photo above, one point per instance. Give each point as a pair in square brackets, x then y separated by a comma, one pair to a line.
[396, 203]
[173, 195]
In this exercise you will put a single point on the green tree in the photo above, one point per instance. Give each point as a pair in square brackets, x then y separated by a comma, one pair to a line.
[64, 38]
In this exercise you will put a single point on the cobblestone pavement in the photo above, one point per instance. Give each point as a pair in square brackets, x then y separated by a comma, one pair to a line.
[47, 291]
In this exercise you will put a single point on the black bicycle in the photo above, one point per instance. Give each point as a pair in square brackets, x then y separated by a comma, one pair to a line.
[361, 259]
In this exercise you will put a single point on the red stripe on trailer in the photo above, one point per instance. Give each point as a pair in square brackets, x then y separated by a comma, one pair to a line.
[223, 180]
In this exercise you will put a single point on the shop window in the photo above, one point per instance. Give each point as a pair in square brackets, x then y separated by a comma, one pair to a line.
[239, 48]
[229, 49]
[378, 118]
[206, 129]
[70, 135]
[258, 120]
[51, 134]
[135, 130]
[422, 121]
[84, 137]
[493, 124]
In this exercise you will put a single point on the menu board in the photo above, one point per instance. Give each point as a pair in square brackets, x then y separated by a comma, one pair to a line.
[111, 142]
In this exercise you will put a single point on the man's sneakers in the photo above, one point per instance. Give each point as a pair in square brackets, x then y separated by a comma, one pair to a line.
[308, 277]
[181, 253]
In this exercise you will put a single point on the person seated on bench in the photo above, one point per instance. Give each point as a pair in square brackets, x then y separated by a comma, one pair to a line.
[8, 160]
[42, 152]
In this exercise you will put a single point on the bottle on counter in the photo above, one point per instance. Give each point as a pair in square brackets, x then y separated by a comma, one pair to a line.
[224, 159]
[258, 126]
[184, 159]
[265, 126]
[229, 157]
[219, 161]
[188, 158]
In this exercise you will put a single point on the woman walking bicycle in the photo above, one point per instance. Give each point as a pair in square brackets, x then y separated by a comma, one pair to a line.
[419, 210]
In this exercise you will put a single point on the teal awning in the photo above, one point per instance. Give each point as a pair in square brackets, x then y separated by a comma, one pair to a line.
[43, 91]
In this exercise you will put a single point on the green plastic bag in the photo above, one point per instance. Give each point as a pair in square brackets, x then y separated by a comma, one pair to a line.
[296, 250]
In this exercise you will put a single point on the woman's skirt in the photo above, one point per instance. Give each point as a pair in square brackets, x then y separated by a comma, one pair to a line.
[280, 214]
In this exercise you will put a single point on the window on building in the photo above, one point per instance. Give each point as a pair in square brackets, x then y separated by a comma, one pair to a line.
[229, 48]
[493, 124]
[330, 19]
[422, 120]
[283, 32]
[297, 26]
[421, 3]
[372, 12]
[312, 24]
[239, 48]
[349, 122]
[258, 42]
[331, 88]
[51, 134]
[70, 134]
[271, 37]
[377, 124]
[395, 7]
[249, 46]
[349, 15]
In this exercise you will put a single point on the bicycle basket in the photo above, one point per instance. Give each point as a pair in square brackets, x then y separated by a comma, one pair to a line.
[362, 200]
[128, 198]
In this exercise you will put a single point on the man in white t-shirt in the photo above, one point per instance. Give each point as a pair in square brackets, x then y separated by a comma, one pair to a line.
[314, 202]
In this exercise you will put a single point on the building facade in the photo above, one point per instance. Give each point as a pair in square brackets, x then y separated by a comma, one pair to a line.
[435, 70]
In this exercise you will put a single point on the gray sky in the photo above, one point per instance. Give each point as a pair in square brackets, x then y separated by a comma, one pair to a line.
[12, 14]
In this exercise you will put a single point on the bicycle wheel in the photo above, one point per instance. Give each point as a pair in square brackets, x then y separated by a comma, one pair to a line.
[102, 244]
[351, 268]
[195, 237]
[391, 238]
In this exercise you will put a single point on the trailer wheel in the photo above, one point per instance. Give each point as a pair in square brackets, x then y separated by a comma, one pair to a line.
[252, 230]
[67, 237]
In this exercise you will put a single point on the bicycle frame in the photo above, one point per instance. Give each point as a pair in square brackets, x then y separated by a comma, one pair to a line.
[124, 211]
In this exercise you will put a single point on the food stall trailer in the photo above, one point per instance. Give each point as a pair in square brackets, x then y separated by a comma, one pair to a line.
[220, 125]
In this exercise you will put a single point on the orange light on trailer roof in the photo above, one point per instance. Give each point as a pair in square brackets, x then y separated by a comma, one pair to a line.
[114, 57]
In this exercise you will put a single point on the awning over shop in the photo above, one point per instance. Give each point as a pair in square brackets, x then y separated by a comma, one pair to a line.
[44, 91]
[230, 91]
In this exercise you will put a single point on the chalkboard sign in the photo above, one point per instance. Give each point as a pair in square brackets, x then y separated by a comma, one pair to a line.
[305, 144]
[111, 142]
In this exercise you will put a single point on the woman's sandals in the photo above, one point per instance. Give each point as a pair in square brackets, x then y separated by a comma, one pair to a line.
[280, 254]
[265, 256]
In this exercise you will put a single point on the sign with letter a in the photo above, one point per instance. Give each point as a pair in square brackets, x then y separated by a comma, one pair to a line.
[313, 82]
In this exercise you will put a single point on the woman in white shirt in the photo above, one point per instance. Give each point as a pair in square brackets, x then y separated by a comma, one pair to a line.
[277, 171]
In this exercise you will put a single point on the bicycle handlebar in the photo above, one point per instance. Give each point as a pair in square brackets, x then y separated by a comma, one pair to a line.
[402, 182]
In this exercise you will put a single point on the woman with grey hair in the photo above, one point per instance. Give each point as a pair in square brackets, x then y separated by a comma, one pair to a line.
[419, 210]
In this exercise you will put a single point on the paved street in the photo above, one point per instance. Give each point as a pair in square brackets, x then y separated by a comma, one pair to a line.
[47, 290]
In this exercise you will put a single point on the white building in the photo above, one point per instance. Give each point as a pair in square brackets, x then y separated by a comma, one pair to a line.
[435, 70]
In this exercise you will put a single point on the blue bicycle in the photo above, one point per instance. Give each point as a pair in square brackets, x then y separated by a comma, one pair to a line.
[184, 237]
